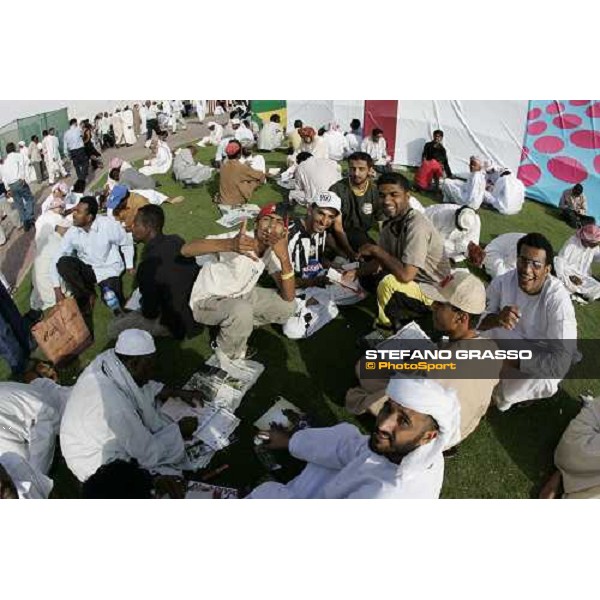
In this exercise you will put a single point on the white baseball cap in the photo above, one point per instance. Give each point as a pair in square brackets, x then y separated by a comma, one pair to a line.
[135, 342]
[328, 200]
[462, 290]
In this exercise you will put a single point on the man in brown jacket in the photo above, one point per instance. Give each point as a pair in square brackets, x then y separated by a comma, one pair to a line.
[238, 180]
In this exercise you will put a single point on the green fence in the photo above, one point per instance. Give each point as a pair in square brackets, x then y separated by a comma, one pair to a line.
[23, 129]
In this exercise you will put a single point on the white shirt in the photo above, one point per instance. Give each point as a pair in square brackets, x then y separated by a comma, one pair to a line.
[548, 315]
[456, 242]
[508, 195]
[14, 168]
[98, 247]
[243, 134]
[256, 161]
[377, 150]
[501, 254]
[229, 274]
[578, 257]
[337, 144]
[318, 148]
[101, 424]
[316, 175]
[353, 140]
[73, 139]
[270, 136]
[341, 465]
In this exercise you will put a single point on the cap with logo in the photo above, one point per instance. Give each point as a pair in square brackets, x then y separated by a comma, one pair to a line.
[328, 200]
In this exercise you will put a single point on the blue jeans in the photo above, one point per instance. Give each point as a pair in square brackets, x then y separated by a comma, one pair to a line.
[23, 199]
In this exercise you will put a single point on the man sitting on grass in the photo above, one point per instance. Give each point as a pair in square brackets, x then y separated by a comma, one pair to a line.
[402, 458]
[226, 293]
[238, 181]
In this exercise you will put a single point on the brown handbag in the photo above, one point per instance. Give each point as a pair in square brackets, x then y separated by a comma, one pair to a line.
[62, 335]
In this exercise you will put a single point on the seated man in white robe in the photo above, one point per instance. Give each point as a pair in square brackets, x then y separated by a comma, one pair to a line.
[354, 137]
[20, 481]
[458, 226]
[271, 135]
[214, 137]
[112, 412]
[573, 264]
[530, 304]
[313, 175]
[161, 163]
[376, 146]
[30, 419]
[498, 257]
[470, 192]
[187, 171]
[337, 144]
[401, 459]
[60, 191]
[504, 192]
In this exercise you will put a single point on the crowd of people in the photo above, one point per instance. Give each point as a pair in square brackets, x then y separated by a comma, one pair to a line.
[335, 239]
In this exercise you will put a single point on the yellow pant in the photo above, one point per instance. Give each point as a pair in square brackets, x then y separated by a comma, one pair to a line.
[386, 289]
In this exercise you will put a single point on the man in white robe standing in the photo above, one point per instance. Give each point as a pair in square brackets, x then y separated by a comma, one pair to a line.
[573, 264]
[271, 135]
[401, 459]
[117, 123]
[128, 130]
[112, 412]
[51, 150]
[470, 192]
[529, 304]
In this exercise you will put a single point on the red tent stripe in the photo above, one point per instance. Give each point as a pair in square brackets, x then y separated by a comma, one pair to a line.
[384, 115]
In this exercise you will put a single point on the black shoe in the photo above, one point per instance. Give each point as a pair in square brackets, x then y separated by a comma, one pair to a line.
[27, 225]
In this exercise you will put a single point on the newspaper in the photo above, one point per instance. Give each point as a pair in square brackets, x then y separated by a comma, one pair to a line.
[232, 217]
[277, 414]
[412, 331]
[203, 491]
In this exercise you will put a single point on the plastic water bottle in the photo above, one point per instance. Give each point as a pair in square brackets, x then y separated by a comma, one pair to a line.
[111, 300]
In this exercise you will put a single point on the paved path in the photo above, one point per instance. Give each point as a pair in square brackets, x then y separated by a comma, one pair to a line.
[16, 256]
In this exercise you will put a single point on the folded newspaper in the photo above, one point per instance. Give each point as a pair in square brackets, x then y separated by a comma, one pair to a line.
[279, 414]
[203, 491]
[412, 331]
[223, 384]
[232, 217]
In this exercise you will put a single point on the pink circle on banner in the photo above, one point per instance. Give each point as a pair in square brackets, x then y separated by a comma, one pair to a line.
[567, 169]
[586, 139]
[549, 144]
[529, 174]
[536, 127]
[593, 110]
[555, 108]
[578, 102]
[597, 163]
[524, 153]
[534, 113]
[567, 121]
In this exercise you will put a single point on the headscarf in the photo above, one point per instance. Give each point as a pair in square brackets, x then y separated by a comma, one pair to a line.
[589, 233]
[307, 132]
[429, 398]
[232, 148]
[60, 187]
[115, 163]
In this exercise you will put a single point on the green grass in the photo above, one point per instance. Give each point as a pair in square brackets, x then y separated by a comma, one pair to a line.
[508, 456]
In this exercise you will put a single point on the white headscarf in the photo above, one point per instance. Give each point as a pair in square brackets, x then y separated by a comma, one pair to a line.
[429, 398]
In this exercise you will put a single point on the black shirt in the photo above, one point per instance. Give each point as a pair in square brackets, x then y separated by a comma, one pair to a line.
[358, 212]
[165, 279]
[433, 152]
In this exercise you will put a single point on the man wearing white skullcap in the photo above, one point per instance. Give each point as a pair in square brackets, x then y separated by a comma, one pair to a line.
[112, 412]
[458, 225]
[470, 192]
[401, 459]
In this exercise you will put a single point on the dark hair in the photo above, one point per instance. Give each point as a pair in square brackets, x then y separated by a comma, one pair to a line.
[79, 186]
[72, 122]
[45, 132]
[302, 156]
[151, 216]
[275, 118]
[578, 189]
[376, 131]
[457, 213]
[10, 147]
[365, 156]
[394, 179]
[539, 241]
[119, 479]
[51, 129]
[438, 132]
[355, 124]
[298, 124]
[115, 173]
[321, 131]
[34, 137]
[92, 205]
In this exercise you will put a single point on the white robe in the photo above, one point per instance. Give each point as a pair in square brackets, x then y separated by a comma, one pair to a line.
[507, 195]
[456, 242]
[270, 136]
[127, 118]
[318, 147]
[501, 254]
[108, 417]
[313, 176]
[47, 244]
[29, 421]
[161, 163]
[353, 142]
[29, 483]
[117, 123]
[576, 260]
[377, 151]
[548, 316]
[213, 138]
[201, 109]
[467, 193]
[337, 145]
[340, 465]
